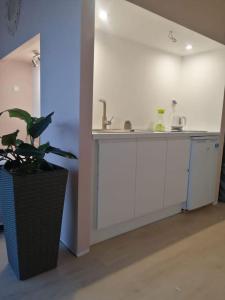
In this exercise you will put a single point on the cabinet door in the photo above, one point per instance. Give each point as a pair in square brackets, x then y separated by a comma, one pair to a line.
[150, 180]
[177, 165]
[116, 182]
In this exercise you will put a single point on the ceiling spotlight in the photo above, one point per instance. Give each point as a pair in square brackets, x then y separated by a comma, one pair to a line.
[189, 47]
[103, 15]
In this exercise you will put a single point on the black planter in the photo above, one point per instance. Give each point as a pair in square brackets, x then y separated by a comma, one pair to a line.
[32, 207]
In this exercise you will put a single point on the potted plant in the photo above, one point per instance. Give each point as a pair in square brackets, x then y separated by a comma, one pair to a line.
[32, 194]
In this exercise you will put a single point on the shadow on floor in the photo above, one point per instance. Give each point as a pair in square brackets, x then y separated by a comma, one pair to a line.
[107, 257]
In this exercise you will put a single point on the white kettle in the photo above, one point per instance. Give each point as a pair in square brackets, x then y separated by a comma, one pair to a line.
[178, 123]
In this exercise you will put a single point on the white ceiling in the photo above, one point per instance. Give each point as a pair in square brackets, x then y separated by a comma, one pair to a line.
[25, 52]
[137, 24]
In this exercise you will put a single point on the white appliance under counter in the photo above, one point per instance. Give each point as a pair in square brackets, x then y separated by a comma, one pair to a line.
[203, 170]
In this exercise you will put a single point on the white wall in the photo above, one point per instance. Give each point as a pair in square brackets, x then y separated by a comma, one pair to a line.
[202, 90]
[136, 80]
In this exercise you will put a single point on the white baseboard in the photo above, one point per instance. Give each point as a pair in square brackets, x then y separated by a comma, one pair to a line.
[115, 230]
[74, 252]
[82, 253]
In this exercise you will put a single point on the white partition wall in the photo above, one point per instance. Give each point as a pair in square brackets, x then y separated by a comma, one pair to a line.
[59, 26]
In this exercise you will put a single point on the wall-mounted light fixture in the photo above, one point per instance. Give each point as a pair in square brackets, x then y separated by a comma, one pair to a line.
[36, 59]
[172, 37]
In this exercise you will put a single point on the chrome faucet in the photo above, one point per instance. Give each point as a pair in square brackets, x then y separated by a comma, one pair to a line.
[105, 122]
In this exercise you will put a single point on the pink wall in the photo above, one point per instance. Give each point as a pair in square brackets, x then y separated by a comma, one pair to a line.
[15, 74]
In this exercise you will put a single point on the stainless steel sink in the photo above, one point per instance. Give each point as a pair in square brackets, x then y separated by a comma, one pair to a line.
[113, 131]
[122, 131]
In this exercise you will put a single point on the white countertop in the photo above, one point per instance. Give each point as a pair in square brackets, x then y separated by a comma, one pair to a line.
[100, 135]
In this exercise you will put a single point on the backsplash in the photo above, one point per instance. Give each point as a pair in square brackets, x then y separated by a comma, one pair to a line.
[136, 80]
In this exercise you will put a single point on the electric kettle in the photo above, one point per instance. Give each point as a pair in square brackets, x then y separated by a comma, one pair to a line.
[178, 123]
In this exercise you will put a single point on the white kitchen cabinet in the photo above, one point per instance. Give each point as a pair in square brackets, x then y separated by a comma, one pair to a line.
[116, 181]
[150, 175]
[177, 165]
[144, 179]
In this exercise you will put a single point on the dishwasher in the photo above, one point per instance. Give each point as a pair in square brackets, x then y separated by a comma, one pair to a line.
[202, 171]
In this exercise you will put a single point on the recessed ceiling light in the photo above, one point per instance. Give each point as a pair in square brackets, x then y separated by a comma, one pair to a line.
[103, 15]
[189, 47]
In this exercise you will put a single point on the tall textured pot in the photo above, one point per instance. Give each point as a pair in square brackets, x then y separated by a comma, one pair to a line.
[32, 207]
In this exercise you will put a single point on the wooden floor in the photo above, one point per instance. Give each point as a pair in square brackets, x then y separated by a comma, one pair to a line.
[182, 257]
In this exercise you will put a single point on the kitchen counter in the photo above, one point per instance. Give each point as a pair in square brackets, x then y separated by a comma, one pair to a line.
[120, 134]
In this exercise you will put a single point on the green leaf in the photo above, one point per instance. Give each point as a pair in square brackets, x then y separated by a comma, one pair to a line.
[28, 150]
[19, 114]
[44, 147]
[60, 152]
[39, 125]
[10, 139]
[19, 142]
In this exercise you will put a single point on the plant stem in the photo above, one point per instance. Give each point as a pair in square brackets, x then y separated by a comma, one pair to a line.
[32, 140]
